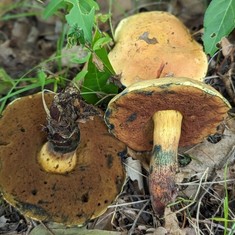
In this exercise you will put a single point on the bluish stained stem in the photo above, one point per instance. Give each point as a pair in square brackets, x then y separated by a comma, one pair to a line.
[163, 164]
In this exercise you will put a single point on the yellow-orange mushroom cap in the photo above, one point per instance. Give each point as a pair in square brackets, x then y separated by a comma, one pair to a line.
[129, 114]
[156, 44]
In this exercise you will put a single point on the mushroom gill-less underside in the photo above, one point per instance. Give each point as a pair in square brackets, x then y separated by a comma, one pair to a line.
[71, 198]
[160, 115]
[129, 114]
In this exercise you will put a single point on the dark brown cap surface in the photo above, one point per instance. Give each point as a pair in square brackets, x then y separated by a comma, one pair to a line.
[129, 114]
[72, 198]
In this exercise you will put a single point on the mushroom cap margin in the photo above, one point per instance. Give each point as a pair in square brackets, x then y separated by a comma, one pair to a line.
[73, 198]
[167, 49]
[129, 114]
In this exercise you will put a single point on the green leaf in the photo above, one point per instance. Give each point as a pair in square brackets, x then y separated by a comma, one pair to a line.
[103, 17]
[19, 91]
[101, 42]
[80, 75]
[42, 78]
[219, 219]
[6, 82]
[80, 60]
[87, 5]
[81, 17]
[219, 21]
[52, 7]
[96, 84]
[76, 36]
[102, 53]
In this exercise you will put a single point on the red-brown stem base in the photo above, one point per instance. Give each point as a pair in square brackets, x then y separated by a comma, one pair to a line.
[163, 164]
[162, 189]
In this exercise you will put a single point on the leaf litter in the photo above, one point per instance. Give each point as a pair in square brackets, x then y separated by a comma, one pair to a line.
[202, 182]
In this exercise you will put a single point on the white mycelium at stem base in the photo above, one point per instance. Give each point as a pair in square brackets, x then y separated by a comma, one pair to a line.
[56, 162]
[163, 165]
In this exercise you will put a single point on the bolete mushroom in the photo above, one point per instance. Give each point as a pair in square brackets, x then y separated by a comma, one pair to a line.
[69, 196]
[160, 115]
[156, 44]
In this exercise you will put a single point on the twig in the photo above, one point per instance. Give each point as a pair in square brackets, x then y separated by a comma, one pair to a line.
[46, 227]
[137, 217]
[228, 85]
[44, 102]
[30, 225]
[128, 203]
[197, 192]
[197, 182]
[206, 221]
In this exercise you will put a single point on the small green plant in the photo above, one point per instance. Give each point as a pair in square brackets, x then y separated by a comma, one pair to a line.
[15, 87]
[80, 27]
[226, 219]
[84, 31]
[219, 21]
[23, 4]
[81, 20]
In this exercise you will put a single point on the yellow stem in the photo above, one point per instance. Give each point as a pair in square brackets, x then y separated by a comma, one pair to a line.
[56, 162]
[163, 164]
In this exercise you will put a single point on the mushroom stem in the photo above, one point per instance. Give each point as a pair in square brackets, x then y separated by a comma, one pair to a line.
[56, 162]
[163, 164]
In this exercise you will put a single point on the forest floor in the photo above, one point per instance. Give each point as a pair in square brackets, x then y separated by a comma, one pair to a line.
[206, 201]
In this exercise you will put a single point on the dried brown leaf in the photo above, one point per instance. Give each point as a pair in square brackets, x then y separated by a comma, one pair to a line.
[172, 224]
[226, 46]
[209, 156]
[98, 63]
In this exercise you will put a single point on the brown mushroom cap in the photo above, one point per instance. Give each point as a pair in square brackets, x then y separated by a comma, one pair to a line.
[72, 198]
[129, 114]
[156, 44]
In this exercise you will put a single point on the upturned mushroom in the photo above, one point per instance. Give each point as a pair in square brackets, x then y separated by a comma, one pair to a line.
[160, 115]
[156, 44]
[71, 195]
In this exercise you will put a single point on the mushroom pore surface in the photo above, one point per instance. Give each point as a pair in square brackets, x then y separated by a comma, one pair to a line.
[129, 114]
[71, 198]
